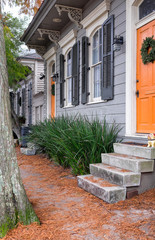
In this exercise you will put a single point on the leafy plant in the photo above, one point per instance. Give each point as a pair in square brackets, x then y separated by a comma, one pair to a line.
[76, 141]
[13, 29]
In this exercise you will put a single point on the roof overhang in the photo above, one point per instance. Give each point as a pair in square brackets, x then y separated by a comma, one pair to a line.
[50, 21]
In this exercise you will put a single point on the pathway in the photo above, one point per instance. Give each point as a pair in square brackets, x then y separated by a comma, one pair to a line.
[68, 212]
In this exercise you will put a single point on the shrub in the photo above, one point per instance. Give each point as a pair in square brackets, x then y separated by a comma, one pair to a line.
[74, 142]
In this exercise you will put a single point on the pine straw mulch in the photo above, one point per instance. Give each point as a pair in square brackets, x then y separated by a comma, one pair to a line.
[68, 212]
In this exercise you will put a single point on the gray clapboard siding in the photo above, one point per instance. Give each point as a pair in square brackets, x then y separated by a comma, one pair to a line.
[119, 59]
[116, 5]
[119, 69]
[113, 110]
[119, 79]
[121, 17]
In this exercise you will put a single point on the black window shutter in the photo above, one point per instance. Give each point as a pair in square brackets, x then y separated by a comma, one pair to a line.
[107, 89]
[84, 93]
[61, 80]
[75, 73]
[23, 102]
[30, 103]
[30, 109]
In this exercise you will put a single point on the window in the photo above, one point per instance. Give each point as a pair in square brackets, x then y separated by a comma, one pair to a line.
[39, 113]
[71, 76]
[96, 63]
[69, 79]
[98, 83]
[146, 7]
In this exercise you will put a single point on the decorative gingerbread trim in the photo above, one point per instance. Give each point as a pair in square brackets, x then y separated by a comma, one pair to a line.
[74, 14]
[52, 35]
[39, 49]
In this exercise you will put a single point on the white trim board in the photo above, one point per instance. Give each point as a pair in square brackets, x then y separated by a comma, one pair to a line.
[132, 24]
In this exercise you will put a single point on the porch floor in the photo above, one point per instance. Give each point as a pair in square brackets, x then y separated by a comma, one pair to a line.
[67, 212]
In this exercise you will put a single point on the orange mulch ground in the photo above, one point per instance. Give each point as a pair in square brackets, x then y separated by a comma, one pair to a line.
[68, 212]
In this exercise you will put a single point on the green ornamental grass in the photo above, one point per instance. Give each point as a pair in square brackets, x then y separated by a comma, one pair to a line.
[74, 142]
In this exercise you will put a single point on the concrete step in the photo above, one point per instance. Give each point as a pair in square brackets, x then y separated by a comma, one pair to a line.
[134, 150]
[108, 192]
[121, 177]
[28, 151]
[135, 164]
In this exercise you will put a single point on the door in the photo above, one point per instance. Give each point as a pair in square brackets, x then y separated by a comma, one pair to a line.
[52, 98]
[145, 84]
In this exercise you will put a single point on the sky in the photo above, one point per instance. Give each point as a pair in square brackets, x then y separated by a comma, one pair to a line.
[14, 11]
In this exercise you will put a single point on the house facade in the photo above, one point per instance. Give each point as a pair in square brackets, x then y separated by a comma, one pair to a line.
[93, 61]
[28, 100]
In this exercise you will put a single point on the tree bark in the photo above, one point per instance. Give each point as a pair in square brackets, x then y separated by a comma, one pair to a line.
[14, 204]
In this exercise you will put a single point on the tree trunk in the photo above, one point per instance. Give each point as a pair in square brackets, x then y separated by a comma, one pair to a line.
[14, 204]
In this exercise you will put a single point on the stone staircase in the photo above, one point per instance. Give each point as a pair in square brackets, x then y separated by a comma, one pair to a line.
[129, 167]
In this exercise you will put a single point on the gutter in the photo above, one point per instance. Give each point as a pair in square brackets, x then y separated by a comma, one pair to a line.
[37, 19]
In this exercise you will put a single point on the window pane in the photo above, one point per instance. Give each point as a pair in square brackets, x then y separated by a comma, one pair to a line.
[97, 81]
[146, 7]
[95, 40]
[69, 90]
[69, 64]
[95, 56]
[69, 69]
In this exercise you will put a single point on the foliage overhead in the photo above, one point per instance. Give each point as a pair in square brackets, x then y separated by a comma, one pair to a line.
[13, 29]
[27, 6]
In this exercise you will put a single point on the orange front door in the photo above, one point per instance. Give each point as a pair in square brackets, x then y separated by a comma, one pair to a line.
[145, 84]
[52, 98]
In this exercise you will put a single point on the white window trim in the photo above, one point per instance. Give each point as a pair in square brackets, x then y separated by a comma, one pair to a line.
[92, 22]
[132, 24]
[96, 102]
[66, 44]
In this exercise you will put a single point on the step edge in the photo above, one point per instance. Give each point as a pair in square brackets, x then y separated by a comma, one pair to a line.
[106, 188]
[117, 172]
[137, 163]
[128, 158]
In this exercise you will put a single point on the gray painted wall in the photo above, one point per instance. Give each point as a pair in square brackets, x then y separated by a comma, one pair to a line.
[113, 110]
